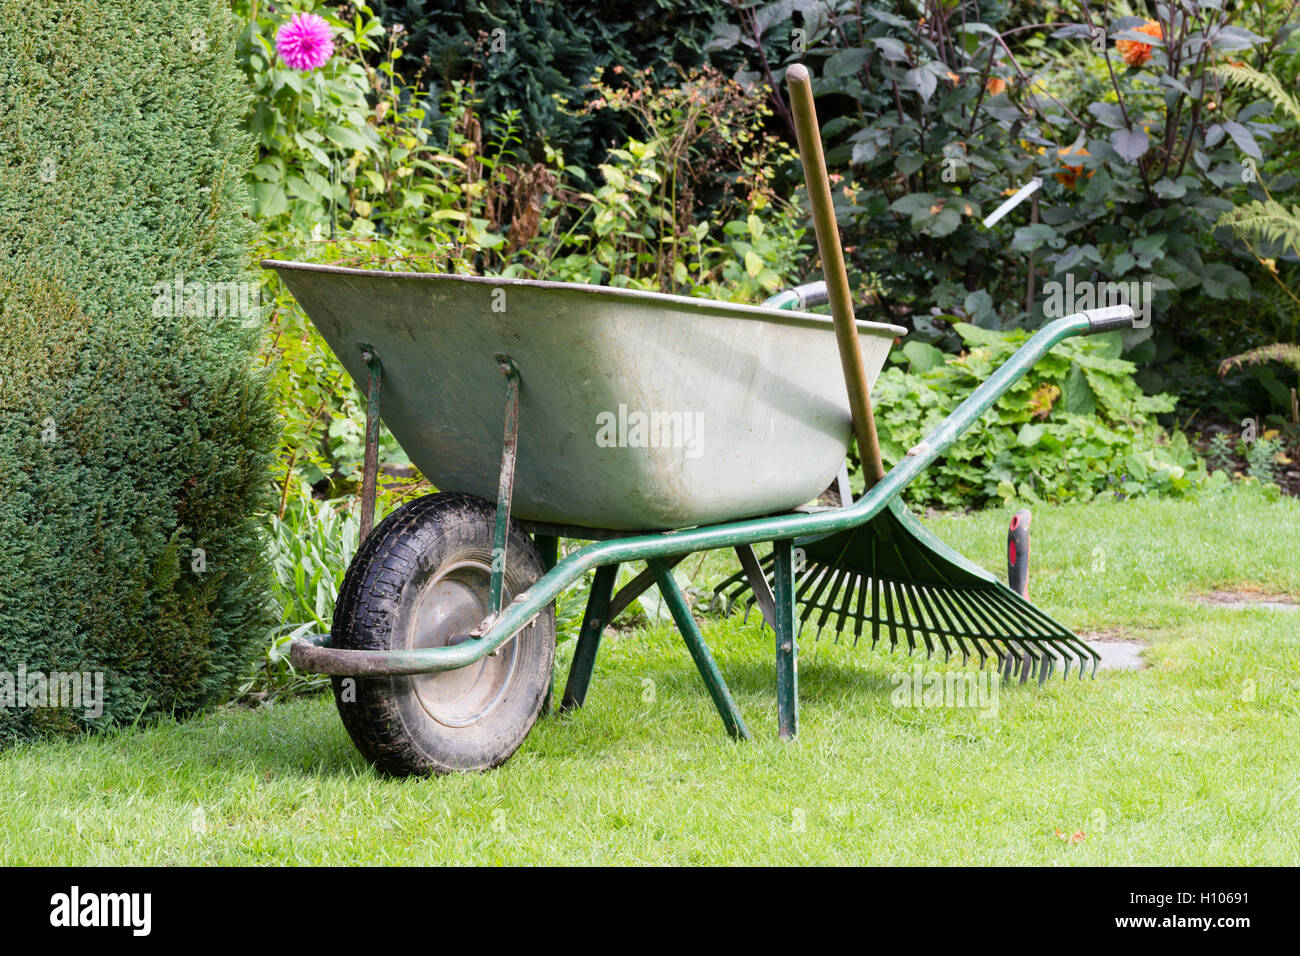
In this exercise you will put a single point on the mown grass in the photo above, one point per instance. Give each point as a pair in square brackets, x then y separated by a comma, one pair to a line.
[1195, 759]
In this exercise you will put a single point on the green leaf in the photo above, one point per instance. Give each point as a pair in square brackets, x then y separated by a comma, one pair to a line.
[1029, 238]
[890, 48]
[269, 200]
[845, 62]
[1076, 394]
[922, 357]
[1130, 144]
[353, 138]
[1222, 281]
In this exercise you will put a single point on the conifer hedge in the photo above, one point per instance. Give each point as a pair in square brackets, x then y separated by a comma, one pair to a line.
[133, 428]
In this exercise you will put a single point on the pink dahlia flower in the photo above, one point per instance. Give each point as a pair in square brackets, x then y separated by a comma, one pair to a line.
[305, 42]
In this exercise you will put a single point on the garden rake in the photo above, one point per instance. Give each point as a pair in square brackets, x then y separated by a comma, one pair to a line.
[891, 572]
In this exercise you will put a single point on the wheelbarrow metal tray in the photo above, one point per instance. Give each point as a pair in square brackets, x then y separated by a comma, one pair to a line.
[637, 410]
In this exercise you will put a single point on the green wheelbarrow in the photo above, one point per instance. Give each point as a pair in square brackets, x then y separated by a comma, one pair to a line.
[653, 427]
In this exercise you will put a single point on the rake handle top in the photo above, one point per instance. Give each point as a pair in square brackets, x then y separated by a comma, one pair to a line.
[799, 84]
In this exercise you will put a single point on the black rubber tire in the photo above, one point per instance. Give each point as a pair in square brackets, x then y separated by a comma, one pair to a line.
[420, 576]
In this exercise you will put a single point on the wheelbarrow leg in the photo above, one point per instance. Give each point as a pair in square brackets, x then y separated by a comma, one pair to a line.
[548, 545]
[787, 651]
[708, 668]
[593, 625]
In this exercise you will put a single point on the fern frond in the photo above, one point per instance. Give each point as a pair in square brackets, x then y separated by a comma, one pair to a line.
[1277, 352]
[1263, 83]
[1267, 219]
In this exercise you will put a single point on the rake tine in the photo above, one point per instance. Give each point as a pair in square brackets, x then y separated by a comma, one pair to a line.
[1029, 661]
[922, 623]
[1006, 664]
[901, 588]
[728, 581]
[1008, 615]
[889, 605]
[876, 611]
[734, 596]
[817, 574]
[864, 584]
[813, 572]
[1066, 640]
[960, 603]
[877, 608]
[1015, 628]
[851, 581]
[1020, 656]
[1012, 635]
[1084, 653]
[947, 599]
[936, 625]
[1045, 623]
[737, 589]
[899, 609]
[837, 581]
[956, 628]
[1047, 644]
[971, 604]
[998, 625]
[908, 589]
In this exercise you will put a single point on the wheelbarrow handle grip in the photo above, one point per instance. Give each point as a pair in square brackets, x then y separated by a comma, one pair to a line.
[812, 294]
[1109, 319]
[804, 296]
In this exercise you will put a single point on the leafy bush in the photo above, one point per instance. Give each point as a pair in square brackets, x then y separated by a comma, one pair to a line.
[133, 440]
[308, 552]
[537, 59]
[1075, 427]
[941, 116]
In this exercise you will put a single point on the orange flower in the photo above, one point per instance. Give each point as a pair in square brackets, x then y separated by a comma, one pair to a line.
[1135, 53]
[1069, 175]
[996, 85]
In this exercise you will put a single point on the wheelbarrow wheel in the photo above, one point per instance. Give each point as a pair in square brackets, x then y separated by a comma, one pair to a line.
[419, 580]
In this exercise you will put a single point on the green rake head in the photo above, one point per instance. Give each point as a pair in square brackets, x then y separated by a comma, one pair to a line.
[895, 576]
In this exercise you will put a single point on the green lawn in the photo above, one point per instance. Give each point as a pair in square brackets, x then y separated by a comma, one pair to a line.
[1195, 759]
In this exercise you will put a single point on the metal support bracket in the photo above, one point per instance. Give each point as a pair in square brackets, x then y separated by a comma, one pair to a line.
[506, 487]
[548, 546]
[370, 466]
[757, 582]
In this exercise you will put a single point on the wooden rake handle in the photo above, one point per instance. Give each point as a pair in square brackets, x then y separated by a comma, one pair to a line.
[799, 84]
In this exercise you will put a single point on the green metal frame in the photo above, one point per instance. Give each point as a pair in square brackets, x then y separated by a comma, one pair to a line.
[704, 662]
[593, 625]
[661, 549]
[787, 649]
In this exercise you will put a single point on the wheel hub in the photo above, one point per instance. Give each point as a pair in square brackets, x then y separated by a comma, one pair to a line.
[451, 603]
